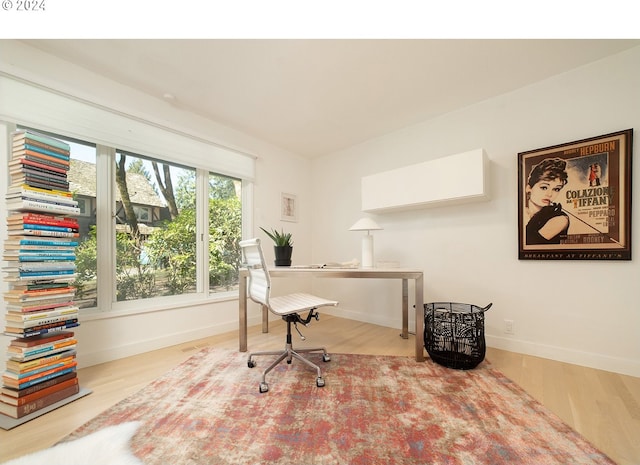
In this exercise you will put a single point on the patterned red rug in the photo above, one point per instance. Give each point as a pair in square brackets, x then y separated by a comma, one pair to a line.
[373, 410]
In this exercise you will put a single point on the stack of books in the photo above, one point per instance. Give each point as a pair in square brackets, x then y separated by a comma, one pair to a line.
[40, 308]
[40, 268]
[40, 247]
[38, 171]
[40, 372]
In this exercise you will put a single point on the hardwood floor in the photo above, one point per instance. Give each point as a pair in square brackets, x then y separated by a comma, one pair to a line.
[604, 407]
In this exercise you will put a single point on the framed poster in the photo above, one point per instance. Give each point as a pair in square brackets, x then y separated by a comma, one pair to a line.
[288, 207]
[574, 200]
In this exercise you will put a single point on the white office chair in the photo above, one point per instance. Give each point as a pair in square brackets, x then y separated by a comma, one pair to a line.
[287, 306]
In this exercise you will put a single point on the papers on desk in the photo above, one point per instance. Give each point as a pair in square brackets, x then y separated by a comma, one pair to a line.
[350, 264]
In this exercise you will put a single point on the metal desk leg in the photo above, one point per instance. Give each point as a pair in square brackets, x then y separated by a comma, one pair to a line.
[265, 319]
[419, 299]
[405, 309]
[242, 309]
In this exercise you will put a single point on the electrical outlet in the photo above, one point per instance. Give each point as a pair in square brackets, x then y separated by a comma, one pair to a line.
[508, 326]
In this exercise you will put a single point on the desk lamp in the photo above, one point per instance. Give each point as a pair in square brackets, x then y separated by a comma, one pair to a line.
[366, 224]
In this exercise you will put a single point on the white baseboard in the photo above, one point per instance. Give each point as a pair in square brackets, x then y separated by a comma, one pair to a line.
[560, 354]
[160, 341]
[563, 354]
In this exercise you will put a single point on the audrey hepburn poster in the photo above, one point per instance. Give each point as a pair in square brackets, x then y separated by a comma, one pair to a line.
[574, 200]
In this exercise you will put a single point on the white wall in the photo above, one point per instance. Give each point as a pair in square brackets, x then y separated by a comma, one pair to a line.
[580, 312]
[107, 337]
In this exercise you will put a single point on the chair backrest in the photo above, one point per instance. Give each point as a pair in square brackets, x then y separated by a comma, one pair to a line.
[259, 287]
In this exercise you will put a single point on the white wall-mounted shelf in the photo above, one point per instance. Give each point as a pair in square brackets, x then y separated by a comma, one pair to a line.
[455, 179]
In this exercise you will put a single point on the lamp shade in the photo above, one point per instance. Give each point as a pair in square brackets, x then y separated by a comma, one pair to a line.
[365, 224]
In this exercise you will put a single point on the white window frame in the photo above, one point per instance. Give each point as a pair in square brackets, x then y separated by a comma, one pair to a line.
[32, 105]
[85, 210]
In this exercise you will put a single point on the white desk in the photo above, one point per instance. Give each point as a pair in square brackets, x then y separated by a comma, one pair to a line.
[372, 273]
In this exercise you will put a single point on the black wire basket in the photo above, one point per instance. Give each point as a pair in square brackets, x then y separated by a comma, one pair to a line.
[454, 334]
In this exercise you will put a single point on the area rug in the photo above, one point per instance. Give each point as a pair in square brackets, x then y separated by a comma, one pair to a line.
[373, 410]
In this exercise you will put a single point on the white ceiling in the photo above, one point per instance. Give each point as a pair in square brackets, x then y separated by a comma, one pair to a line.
[314, 97]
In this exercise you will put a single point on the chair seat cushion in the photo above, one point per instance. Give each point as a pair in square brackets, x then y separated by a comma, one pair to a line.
[299, 302]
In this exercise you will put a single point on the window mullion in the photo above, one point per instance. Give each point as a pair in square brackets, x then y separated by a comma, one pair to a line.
[202, 230]
[247, 209]
[105, 224]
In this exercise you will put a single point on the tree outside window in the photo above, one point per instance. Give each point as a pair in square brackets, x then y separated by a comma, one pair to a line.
[155, 227]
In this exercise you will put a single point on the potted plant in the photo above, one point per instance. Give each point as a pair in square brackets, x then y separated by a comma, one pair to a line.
[283, 246]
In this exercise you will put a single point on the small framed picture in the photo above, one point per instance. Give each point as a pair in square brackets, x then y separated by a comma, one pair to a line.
[289, 207]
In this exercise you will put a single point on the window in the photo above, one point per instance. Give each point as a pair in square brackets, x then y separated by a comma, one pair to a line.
[156, 237]
[143, 214]
[85, 208]
[156, 227]
[225, 225]
[82, 183]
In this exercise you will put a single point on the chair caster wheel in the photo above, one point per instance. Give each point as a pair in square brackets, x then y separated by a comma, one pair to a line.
[264, 387]
[326, 357]
[320, 381]
[251, 364]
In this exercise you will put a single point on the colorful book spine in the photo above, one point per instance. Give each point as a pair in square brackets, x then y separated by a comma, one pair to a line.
[18, 144]
[52, 153]
[34, 297]
[65, 201]
[18, 394]
[28, 308]
[36, 287]
[42, 266]
[46, 257]
[40, 232]
[21, 332]
[38, 218]
[46, 242]
[38, 195]
[50, 389]
[29, 297]
[44, 274]
[15, 278]
[17, 164]
[38, 163]
[21, 316]
[34, 249]
[27, 188]
[11, 250]
[47, 227]
[22, 135]
[38, 380]
[38, 179]
[59, 345]
[21, 367]
[38, 404]
[45, 321]
[34, 372]
[40, 206]
[26, 358]
[26, 174]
